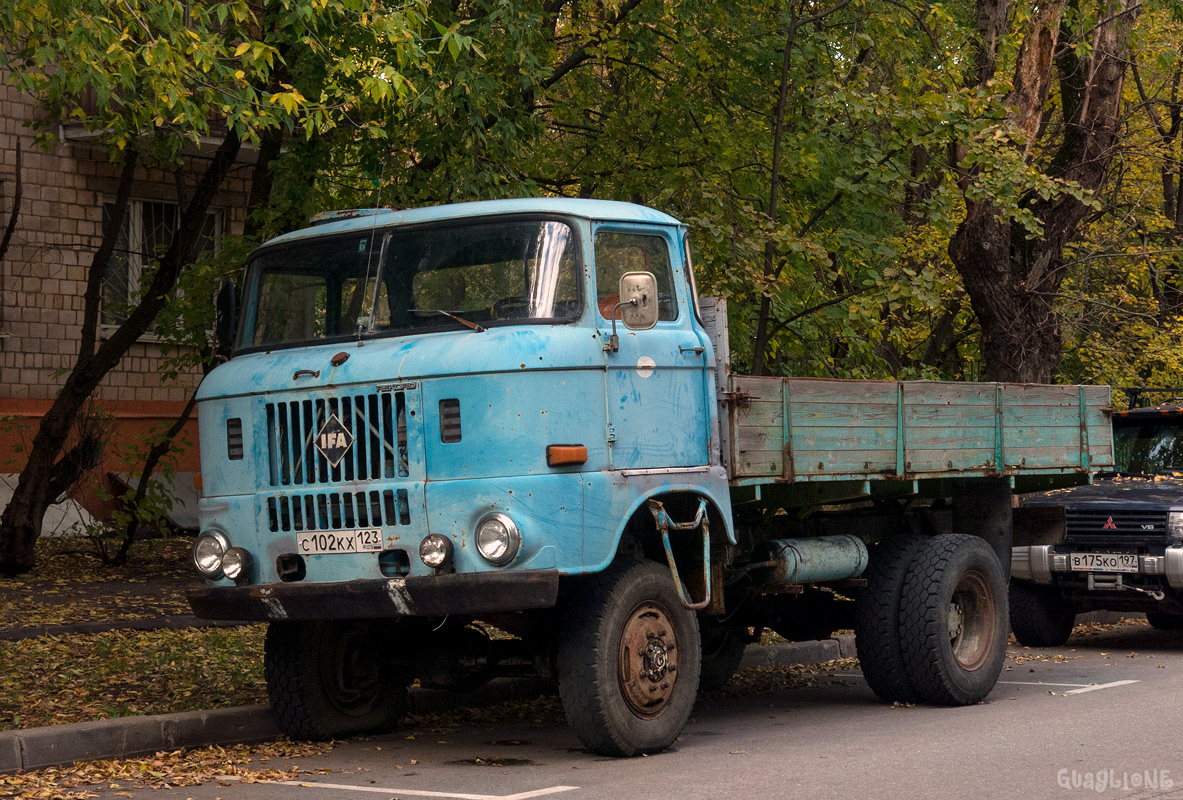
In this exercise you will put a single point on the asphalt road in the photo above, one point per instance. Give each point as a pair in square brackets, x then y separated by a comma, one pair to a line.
[1062, 723]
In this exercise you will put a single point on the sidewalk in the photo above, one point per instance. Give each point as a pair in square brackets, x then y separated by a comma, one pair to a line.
[123, 737]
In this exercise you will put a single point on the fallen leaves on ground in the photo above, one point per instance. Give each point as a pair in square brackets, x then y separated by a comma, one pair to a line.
[243, 763]
[760, 680]
[53, 680]
[70, 585]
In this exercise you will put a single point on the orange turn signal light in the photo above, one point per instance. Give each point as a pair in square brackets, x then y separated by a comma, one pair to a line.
[561, 455]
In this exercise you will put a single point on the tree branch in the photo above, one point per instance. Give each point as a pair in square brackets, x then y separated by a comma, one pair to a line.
[98, 264]
[16, 206]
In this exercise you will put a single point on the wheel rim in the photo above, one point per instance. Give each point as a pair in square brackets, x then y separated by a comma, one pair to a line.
[350, 674]
[648, 660]
[971, 621]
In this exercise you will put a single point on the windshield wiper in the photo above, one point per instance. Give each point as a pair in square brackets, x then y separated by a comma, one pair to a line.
[466, 323]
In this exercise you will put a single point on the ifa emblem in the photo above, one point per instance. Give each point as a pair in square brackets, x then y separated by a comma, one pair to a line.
[333, 441]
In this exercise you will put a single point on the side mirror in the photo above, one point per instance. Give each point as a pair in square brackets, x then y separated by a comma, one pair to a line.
[638, 300]
[226, 321]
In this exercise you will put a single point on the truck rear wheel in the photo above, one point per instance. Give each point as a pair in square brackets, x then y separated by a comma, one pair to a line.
[1040, 616]
[877, 625]
[628, 660]
[327, 679]
[1164, 621]
[953, 614]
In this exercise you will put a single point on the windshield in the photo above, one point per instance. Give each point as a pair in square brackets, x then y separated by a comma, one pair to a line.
[383, 281]
[1149, 448]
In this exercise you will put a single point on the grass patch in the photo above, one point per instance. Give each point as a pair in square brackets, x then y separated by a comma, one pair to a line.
[55, 680]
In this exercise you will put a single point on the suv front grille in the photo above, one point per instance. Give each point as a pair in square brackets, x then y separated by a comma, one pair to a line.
[1119, 526]
[377, 422]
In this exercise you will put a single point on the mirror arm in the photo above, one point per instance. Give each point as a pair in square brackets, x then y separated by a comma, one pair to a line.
[613, 345]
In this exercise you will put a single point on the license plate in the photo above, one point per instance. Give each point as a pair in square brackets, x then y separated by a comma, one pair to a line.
[1103, 562]
[364, 541]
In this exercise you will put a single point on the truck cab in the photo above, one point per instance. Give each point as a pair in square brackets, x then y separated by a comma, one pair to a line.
[1114, 545]
[440, 413]
[453, 373]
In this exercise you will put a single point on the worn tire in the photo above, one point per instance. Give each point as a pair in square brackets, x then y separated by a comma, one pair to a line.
[1039, 615]
[877, 625]
[605, 678]
[953, 620]
[722, 651]
[327, 679]
[1163, 621]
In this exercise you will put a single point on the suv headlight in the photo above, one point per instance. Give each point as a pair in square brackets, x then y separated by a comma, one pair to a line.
[208, 549]
[498, 539]
[1175, 525]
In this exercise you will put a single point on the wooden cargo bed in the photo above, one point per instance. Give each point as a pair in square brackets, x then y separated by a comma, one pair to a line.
[793, 430]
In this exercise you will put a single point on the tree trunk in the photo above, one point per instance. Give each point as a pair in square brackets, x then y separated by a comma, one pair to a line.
[1013, 278]
[20, 525]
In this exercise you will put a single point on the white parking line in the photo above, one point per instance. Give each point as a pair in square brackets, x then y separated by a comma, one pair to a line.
[1099, 686]
[424, 793]
[1081, 688]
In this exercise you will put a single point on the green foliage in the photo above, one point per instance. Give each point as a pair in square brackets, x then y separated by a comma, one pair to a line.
[182, 70]
[672, 105]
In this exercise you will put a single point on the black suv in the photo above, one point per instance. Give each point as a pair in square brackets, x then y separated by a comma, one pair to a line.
[1115, 545]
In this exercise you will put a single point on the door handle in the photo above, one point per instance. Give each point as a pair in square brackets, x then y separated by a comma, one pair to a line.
[697, 350]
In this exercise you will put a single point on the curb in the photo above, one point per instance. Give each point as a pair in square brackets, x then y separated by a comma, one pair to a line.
[124, 737]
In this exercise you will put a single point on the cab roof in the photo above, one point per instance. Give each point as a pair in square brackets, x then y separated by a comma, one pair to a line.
[1171, 408]
[361, 219]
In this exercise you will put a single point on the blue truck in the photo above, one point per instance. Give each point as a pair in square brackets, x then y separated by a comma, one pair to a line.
[498, 438]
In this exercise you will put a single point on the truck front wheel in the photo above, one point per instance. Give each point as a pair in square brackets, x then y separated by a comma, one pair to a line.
[953, 615]
[1040, 616]
[628, 660]
[329, 679]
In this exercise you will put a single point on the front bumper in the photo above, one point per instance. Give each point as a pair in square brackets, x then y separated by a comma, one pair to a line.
[428, 596]
[1037, 563]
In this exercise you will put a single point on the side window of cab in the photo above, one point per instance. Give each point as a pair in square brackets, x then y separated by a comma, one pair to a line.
[618, 253]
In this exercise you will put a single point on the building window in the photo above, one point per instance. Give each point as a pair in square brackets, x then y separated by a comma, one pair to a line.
[147, 231]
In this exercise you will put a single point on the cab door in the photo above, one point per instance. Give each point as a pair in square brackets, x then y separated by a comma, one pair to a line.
[657, 381]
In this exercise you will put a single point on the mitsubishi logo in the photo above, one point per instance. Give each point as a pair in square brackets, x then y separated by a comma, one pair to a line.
[1109, 526]
[333, 440]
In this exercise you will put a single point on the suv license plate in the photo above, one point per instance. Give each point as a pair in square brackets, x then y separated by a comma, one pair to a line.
[1103, 562]
[318, 542]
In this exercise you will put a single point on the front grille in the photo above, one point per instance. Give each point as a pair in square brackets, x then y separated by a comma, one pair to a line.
[1115, 526]
[376, 421]
[337, 511]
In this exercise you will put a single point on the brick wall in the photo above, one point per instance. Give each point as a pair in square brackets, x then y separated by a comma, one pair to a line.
[43, 276]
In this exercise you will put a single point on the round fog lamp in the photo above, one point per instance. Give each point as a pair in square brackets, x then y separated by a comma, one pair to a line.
[435, 550]
[498, 539]
[236, 563]
[208, 549]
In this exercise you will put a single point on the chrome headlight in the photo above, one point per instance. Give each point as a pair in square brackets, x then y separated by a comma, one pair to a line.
[1175, 525]
[435, 550]
[498, 539]
[236, 564]
[208, 549]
